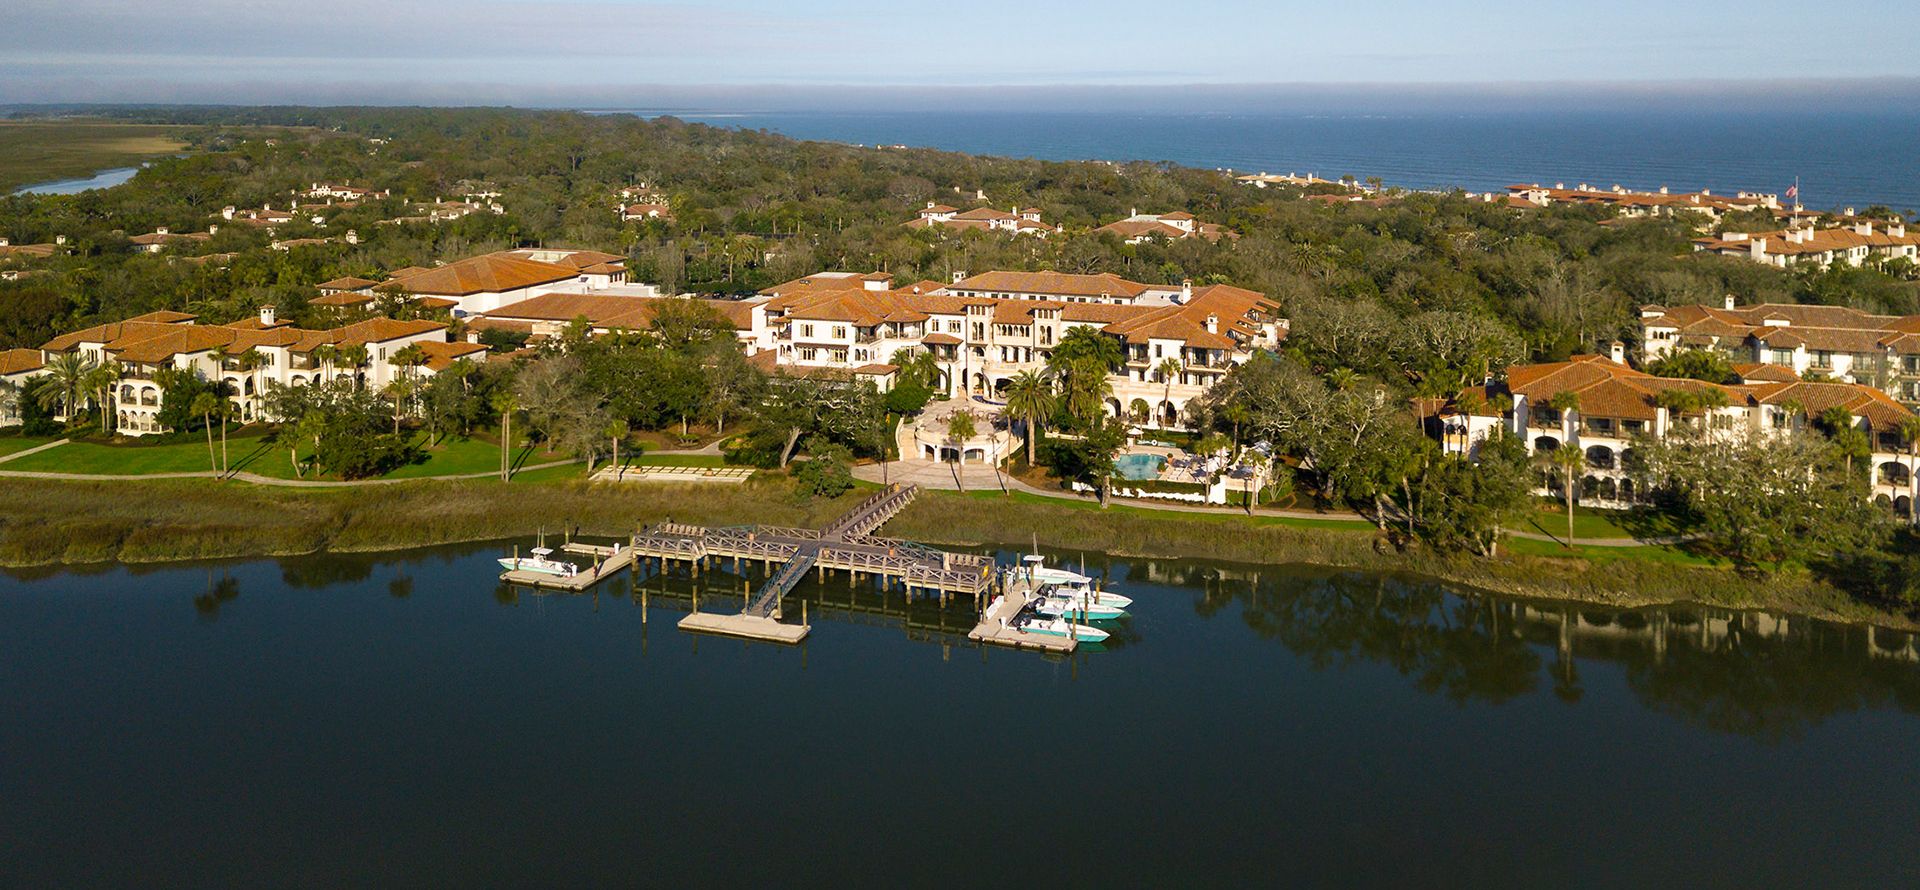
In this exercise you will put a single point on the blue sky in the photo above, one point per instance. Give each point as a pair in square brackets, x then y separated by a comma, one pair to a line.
[545, 51]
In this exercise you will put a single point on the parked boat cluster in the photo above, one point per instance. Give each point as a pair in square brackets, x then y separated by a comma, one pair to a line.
[1061, 603]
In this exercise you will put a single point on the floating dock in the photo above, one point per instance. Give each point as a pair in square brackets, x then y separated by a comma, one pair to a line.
[996, 624]
[605, 562]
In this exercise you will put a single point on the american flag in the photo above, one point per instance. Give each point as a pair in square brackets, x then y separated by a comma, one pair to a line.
[1793, 191]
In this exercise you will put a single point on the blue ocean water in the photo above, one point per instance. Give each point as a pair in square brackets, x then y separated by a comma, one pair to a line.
[1839, 159]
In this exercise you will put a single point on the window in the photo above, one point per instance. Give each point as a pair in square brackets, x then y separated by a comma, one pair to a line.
[840, 355]
[809, 354]
[1780, 356]
[839, 332]
[806, 330]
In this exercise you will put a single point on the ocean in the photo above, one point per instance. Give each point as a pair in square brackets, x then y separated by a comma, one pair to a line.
[1839, 159]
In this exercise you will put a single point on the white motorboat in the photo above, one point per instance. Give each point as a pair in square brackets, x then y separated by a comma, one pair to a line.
[1059, 627]
[1070, 606]
[1060, 582]
[539, 562]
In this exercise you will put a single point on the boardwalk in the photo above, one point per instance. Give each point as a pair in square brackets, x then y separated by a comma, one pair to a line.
[846, 544]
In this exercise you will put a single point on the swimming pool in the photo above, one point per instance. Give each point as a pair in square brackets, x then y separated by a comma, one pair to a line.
[1139, 467]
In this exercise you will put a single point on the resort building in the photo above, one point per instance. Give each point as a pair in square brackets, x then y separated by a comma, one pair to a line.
[346, 192]
[17, 367]
[1618, 406]
[1140, 227]
[1018, 221]
[249, 356]
[162, 238]
[267, 217]
[646, 210]
[491, 281]
[1268, 180]
[1636, 203]
[1064, 287]
[1836, 342]
[1853, 244]
[549, 315]
[983, 331]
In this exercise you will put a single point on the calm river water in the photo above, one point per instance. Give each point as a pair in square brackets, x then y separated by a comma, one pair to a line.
[400, 719]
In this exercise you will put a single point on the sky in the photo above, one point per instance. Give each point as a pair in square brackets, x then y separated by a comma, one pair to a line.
[763, 53]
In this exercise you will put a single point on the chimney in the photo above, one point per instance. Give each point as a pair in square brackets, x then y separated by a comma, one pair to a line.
[1186, 290]
[1213, 324]
[213, 230]
[1618, 352]
[1757, 248]
[1729, 298]
[929, 205]
[266, 314]
[1863, 228]
[1663, 190]
[1896, 229]
[226, 212]
[959, 276]
[57, 239]
[4, 242]
[353, 237]
[160, 231]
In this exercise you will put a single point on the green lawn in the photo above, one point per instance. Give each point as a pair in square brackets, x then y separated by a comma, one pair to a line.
[454, 456]
[1592, 523]
[15, 444]
[1258, 519]
[141, 459]
[1602, 555]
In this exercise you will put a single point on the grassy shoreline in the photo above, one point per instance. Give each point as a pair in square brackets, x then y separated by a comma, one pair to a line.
[47, 522]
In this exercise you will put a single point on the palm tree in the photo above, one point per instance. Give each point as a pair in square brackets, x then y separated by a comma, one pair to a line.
[1910, 432]
[1169, 369]
[63, 381]
[1030, 398]
[1837, 423]
[920, 366]
[503, 403]
[324, 356]
[960, 428]
[205, 405]
[354, 357]
[1569, 461]
[100, 381]
[617, 431]
[398, 390]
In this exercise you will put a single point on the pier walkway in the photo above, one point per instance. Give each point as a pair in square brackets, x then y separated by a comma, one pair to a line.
[846, 544]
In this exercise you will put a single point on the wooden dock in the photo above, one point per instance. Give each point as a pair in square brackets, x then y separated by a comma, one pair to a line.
[996, 624]
[604, 562]
[847, 545]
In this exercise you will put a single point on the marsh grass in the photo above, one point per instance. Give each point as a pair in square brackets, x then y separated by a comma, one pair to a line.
[45, 522]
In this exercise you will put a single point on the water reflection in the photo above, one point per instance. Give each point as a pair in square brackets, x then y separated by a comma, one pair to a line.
[1755, 674]
[219, 592]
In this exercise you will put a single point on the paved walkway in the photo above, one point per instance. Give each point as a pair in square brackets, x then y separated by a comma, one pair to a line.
[979, 477]
[34, 450]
